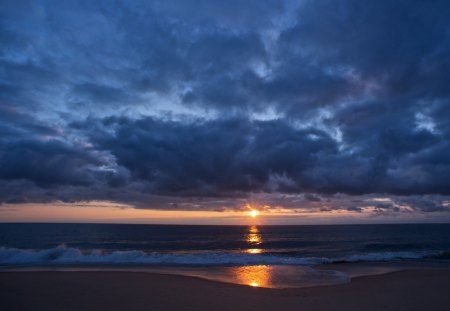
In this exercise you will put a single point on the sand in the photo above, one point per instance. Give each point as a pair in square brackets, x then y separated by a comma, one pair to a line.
[102, 290]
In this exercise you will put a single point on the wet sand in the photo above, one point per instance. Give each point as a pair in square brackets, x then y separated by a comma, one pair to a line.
[404, 290]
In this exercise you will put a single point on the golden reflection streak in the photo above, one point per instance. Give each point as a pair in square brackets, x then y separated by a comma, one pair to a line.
[253, 237]
[255, 276]
[253, 229]
[254, 251]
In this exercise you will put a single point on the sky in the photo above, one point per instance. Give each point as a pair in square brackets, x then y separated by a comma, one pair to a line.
[189, 111]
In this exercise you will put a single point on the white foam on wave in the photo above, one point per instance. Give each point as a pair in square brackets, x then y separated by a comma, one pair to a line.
[63, 255]
[387, 256]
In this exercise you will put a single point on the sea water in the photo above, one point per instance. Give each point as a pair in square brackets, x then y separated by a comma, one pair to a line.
[267, 256]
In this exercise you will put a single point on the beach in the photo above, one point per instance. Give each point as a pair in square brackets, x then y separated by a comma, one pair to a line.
[106, 290]
[159, 267]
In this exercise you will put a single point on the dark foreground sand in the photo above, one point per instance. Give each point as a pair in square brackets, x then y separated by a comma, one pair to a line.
[405, 290]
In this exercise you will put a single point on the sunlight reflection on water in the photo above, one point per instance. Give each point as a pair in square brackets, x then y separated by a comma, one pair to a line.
[276, 276]
[256, 276]
[253, 237]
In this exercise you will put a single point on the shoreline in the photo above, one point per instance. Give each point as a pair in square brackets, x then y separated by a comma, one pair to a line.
[251, 273]
[45, 290]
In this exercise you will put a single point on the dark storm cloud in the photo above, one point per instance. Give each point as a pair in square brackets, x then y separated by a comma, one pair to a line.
[205, 158]
[119, 101]
[46, 163]
[215, 157]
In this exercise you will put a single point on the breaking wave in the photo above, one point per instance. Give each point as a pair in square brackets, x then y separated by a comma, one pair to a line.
[63, 255]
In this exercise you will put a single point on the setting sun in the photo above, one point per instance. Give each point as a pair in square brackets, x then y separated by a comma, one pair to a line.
[254, 213]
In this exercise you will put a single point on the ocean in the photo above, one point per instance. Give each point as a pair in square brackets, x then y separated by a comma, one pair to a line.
[284, 255]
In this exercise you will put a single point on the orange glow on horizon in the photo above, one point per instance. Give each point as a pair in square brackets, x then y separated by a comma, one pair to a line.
[111, 212]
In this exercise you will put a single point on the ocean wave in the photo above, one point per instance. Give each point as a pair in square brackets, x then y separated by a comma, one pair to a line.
[386, 256]
[63, 255]
[442, 255]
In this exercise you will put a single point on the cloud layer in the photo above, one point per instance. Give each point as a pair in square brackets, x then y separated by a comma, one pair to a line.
[132, 101]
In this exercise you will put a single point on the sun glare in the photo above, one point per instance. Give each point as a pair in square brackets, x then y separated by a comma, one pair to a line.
[253, 213]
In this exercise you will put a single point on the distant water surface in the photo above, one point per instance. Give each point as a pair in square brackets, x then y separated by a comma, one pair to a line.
[239, 253]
